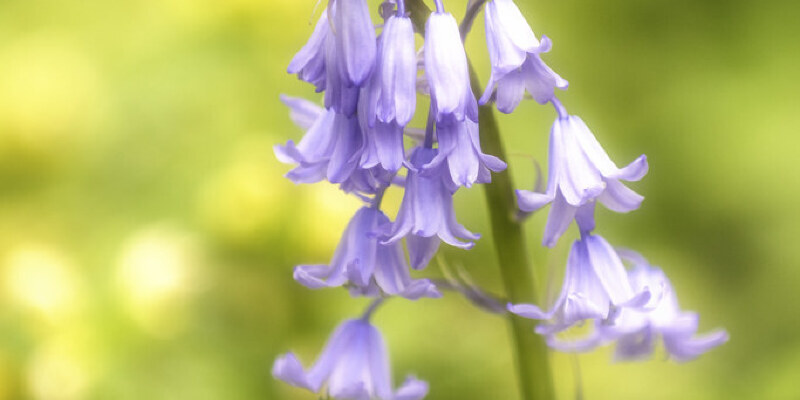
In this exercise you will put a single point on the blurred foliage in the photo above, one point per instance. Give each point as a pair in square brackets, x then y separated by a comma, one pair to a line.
[147, 237]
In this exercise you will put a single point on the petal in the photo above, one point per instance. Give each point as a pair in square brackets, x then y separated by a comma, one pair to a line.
[347, 152]
[540, 80]
[532, 201]
[288, 369]
[579, 180]
[338, 347]
[445, 65]
[609, 270]
[584, 217]
[356, 40]
[683, 348]
[317, 276]
[389, 144]
[634, 171]
[510, 90]
[635, 346]
[528, 311]
[421, 250]
[301, 111]
[514, 25]
[581, 345]
[558, 220]
[379, 365]
[412, 389]
[506, 55]
[619, 198]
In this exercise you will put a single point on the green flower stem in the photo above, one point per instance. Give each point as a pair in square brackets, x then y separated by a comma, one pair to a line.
[530, 352]
[533, 367]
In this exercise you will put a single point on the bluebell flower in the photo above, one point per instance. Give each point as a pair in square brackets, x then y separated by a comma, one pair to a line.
[426, 213]
[340, 55]
[446, 70]
[393, 95]
[355, 40]
[367, 266]
[331, 148]
[459, 146]
[354, 365]
[580, 172]
[384, 140]
[309, 63]
[516, 64]
[595, 287]
[636, 330]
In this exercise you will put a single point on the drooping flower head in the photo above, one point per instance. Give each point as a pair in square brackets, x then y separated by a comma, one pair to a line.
[309, 63]
[516, 64]
[426, 213]
[580, 172]
[393, 96]
[330, 149]
[446, 70]
[637, 330]
[460, 148]
[354, 365]
[367, 266]
[595, 286]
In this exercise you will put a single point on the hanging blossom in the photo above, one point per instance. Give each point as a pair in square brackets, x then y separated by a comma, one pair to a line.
[595, 284]
[367, 266]
[426, 213]
[447, 71]
[516, 65]
[460, 147]
[388, 102]
[579, 173]
[354, 365]
[331, 148]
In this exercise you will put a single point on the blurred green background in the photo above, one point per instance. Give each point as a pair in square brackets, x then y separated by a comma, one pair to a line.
[147, 236]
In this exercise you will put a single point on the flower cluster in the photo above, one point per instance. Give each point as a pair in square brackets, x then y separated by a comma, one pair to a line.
[361, 140]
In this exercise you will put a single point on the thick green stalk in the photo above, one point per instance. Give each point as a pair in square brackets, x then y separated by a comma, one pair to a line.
[530, 352]
[533, 367]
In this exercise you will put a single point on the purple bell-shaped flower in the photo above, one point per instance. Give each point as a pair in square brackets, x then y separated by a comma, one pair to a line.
[460, 146]
[446, 70]
[595, 287]
[580, 172]
[367, 266]
[516, 64]
[426, 214]
[354, 365]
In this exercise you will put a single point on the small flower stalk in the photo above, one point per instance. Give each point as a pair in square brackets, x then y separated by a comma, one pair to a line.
[361, 137]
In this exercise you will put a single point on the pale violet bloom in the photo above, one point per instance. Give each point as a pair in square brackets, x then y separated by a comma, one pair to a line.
[636, 331]
[367, 266]
[340, 55]
[355, 41]
[393, 96]
[580, 172]
[446, 70]
[384, 140]
[516, 64]
[595, 287]
[459, 146]
[309, 63]
[354, 365]
[330, 149]
[426, 213]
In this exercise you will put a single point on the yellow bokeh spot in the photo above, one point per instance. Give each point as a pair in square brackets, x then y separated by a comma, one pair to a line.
[49, 95]
[60, 369]
[157, 273]
[40, 278]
